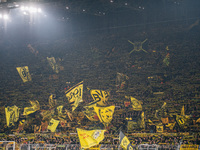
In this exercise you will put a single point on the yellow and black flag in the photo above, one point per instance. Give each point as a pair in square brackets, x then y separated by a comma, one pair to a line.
[182, 121]
[89, 138]
[61, 115]
[24, 73]
[100, 97]
[159, 128]
[136, 104]
[75, 94]
[90, 112]
[105, 114]
[124, 142]
[29, 110]
[12, 115]
[53, 125]
[53, 64]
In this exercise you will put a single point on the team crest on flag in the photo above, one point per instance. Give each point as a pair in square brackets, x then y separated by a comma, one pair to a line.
[24, 73]
[89, 138]
[105, 114]
[75, 94]
[100, 97]
[12, 115]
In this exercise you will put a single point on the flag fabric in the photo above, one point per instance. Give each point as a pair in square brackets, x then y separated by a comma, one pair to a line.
[132, 125]
[159, 128]
[198, 120]
[166, 60]
[170, 125]
[52, 101]
[100, 97]
[29, 110]
[24, 73]
[74, 95]
[105, 114]
[89, 138]
[161, 112]
[182, 121]
[61, 115]
[90, 112]
[53, 125]
[121, 81]
[124, 142]
[183, 111]
[142, 122]
[165, 120]
[53, 64]
[12, 115]
[136, 104]
[127, 103]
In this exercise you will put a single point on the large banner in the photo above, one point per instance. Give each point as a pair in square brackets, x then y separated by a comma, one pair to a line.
[75, 94]
[100, 97]
[24, 73]
[89, 138]
[189, 147]
[12, 115]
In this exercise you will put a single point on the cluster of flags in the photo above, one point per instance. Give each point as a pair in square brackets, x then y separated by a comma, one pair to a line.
[89, 138]
[24, 70]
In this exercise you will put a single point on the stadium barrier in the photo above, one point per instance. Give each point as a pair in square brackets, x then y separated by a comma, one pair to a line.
[44, 146]
[7, 145]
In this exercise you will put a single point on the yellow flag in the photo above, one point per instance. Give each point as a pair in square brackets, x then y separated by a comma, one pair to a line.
[53, 64]
[34, 108]
[75, 94]
[90, 113]
[189, 147]
[124, 142]
[52, 101]
[12, 115]
[89, 138]
[105, 114]
[24, 73]
[53, 125]
[183, 111]
[182, 121]
[60, 113]
[159, 128]
[142, 123]
[136, 104]
[100, 97]
[170, 125]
